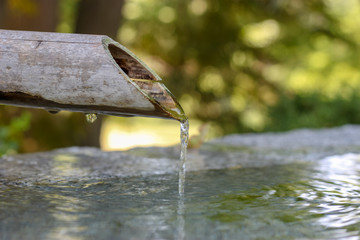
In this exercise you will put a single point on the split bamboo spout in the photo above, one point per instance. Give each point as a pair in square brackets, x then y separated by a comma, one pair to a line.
[80, 73]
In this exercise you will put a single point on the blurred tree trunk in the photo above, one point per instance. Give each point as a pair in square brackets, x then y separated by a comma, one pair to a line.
[32, 15]
[2, 12]
[99, 17]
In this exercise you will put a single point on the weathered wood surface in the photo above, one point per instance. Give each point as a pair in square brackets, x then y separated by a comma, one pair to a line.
[77, 72]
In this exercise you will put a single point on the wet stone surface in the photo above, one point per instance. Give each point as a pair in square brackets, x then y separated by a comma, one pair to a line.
[233, 151]
[303, 184]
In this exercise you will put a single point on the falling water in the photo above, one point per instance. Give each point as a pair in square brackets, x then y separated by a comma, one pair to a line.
[91, 117]
[184, 136]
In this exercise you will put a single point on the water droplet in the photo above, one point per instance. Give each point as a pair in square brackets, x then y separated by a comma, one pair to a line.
[53, 111]
[91, 117]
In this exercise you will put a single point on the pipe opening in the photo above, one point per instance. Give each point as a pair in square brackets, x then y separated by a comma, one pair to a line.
[147, 82]
[129, 65]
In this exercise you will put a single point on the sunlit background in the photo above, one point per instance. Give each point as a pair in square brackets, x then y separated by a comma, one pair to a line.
[234, 66]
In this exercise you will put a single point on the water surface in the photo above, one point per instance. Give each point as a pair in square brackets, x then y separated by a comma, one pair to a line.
[300, 200]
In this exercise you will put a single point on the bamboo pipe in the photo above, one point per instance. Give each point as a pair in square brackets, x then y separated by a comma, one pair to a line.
[80, 73]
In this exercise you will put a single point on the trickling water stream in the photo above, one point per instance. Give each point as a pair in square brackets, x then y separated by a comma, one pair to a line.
[184, 137]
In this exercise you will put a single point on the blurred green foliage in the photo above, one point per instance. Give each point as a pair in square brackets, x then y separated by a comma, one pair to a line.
[67, 18]
[12, 133]
[313, 111]
[232, 62]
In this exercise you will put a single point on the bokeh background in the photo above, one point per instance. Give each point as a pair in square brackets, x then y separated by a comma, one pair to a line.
[235, 66]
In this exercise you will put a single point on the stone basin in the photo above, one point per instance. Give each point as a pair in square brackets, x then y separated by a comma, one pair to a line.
[302, 184]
